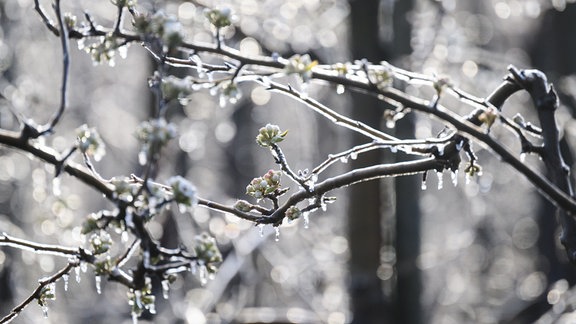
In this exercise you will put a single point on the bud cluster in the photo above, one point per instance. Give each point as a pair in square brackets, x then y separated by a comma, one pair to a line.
[270, 134]
[207, 251]
[89, 142]
[265, 185]
[301, 65]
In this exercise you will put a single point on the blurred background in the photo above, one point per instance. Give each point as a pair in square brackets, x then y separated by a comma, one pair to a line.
[386, 252]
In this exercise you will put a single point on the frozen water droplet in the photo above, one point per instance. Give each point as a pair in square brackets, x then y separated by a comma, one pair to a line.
[353, 155]
[165, 288]
[77, 271]
[454, 176]
[134, 318]
[440, 180]
[523, 157]
[261, 229]
[344, 159]
[56, 190]
[323, 206]
[98, 280]
[193, 268]
[423, 186]
[152, 308]
[65, 279]
[468, 178]
[182, 208]
[124, 236]
[222, 101]
[83, 266]
[45, 311]
[277, 235]
[306, 217]
[203, 274]
[393, 149]
[142, 158]
[390, 123]
[440, 150]
[340, 89]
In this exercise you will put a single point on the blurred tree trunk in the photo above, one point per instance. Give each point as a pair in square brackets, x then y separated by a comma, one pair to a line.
[552, 50]
[407, 302]
[366, 199]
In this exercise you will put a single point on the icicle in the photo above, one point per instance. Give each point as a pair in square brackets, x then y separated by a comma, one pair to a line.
[77, 271]
[83, 266]
[152, 308]
[45, 310]
[193, 268]
[98, 280]
[306, 217]
[304, 91]
[142, 158]
[323, 206]
[454, 176]
[65, 279]
[468, 178]
[522, 157]
[222, 101]
[277, 237]
[423, 186]
[440, 180]
[165, 288]
[340, 89]
[261, 229]
[203, 273]
[56, 187]
[134, 317]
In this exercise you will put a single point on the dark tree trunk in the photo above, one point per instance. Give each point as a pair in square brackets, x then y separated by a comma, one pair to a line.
[366, 199]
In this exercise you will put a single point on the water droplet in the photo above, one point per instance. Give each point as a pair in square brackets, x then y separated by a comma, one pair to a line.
[45, 311]
[65, 279]
[440, 180]
[340, 89]
[522, 157]
[454, 176]
[261, 229]
[77, 271]
[98, 281]
[56, 190]
[142, 158]
[277, 236]
[165, 289]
